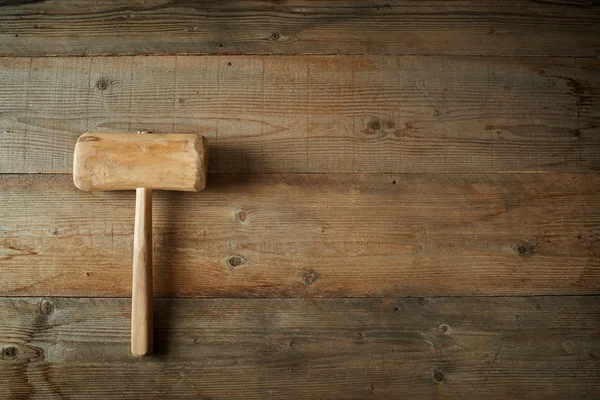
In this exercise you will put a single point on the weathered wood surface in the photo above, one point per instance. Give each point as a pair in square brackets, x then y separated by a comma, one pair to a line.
[283, 114]
[417, 348]
[466, 27]
[316, 235]
[419, 111]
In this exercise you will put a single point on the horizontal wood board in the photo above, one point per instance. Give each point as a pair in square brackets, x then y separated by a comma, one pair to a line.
[310, 235]
[465, 27]
[418, 348]
[313, 114]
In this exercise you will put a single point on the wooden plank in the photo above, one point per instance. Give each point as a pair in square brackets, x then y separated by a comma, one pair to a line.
[316, 235]
[466, 27]
[282, 114]
[418, 348]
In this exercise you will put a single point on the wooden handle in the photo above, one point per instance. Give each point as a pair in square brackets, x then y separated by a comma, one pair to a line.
[141, 302]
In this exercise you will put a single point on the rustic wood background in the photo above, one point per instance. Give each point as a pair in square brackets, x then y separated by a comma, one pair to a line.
[403, 199]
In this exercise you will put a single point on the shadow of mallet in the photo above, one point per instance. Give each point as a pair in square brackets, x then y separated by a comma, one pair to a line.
[127, 161]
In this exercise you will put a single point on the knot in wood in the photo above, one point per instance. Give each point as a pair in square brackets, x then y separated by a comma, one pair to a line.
[235, 261]
[46, 308]
[241, 216]
[10, 353]
[309, 278]
[524, 249]
[102, 84]
[374, 125]
[444, 329]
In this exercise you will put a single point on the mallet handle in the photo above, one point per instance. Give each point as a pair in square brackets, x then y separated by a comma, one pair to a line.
[141, 302]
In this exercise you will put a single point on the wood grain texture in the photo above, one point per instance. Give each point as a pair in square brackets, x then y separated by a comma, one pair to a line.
[141, 288]
[126, 161]
[418, 348]
[466, 27]
[284, 114]
[316, 235]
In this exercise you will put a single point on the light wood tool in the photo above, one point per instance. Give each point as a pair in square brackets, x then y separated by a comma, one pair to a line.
[144, 162]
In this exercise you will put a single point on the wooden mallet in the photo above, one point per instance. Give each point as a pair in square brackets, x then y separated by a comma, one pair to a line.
[127, 161]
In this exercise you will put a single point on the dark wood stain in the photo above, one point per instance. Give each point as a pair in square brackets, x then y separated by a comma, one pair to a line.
[387, 348]
[86, 28]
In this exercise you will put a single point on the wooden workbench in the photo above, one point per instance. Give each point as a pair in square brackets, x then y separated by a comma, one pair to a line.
[403, 200]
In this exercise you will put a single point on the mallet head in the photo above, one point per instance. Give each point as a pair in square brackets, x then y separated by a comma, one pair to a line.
[127, 161]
